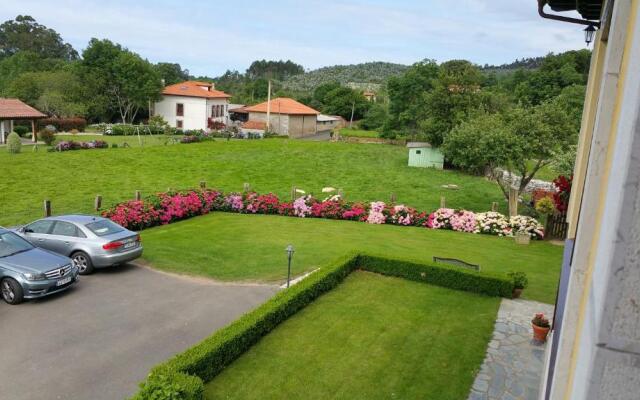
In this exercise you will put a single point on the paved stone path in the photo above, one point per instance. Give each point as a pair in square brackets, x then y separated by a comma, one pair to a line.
[512, 368]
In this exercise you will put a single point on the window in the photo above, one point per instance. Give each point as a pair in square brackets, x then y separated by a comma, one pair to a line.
[180, 110]
[418, 151]
[179, 124]
[11, 244]
[104, 227]
[42, 227]
[213, 111]
[62, 228]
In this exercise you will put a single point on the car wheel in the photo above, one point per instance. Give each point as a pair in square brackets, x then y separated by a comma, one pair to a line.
[11, 291]
[83, 262]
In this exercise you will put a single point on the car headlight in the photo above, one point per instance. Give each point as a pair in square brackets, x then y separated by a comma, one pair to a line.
[34, 277]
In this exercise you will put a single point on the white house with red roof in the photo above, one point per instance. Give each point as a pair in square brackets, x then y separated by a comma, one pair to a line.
[286, 117]
[193, 105]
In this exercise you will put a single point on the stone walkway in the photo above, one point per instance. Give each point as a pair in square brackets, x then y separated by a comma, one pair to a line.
[512, 368]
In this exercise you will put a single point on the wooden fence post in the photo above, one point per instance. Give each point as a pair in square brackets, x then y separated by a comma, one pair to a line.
[203, 184]
[138, 195]
[97, 204]
[443, 202]
[393, 198]
[513, 202]
[47, 208]
[494, 206]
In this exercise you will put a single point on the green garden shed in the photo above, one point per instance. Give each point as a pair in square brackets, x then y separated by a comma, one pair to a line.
[422, 154]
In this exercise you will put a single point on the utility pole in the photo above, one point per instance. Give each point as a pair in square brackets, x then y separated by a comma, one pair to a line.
[269, 106]
[353, 109]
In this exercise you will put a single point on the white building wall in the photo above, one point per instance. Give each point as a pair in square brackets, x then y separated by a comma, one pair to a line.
[195, 111]
[600, 339]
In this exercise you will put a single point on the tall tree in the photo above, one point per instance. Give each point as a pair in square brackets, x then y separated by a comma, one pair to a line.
[124, 81]
[171, 72]
[25, 34]
[406, 98]
[279, 70]
[522, 141]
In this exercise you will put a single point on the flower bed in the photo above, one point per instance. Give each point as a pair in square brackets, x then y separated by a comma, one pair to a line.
[164, 208]
[72, 145]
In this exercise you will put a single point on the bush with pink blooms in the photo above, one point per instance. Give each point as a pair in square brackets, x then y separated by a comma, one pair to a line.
[165, 208]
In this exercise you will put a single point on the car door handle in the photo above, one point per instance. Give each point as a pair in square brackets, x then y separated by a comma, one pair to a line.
[67, 243]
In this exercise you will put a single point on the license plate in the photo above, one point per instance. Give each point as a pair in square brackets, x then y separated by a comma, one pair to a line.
[63, 281]
[129, 245]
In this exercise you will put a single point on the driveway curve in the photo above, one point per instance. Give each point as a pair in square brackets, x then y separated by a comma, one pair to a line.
[101, 337]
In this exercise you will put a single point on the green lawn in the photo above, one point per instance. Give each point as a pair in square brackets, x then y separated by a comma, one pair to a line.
[71, 180]
[238, 247]
[133, 141]
[372, 337]
[358, 133]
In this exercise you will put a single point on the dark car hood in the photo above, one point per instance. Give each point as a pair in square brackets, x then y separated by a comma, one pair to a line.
[34, 260]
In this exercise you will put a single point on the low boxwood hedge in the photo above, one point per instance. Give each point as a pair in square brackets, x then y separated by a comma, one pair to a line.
[440, 275]
[183, 376]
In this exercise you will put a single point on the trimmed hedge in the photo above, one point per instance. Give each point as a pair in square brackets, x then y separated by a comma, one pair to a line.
[440, 275]
[184, 375]
[64, 124]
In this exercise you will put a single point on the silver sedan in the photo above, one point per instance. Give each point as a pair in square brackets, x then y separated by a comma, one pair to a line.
[91, 242]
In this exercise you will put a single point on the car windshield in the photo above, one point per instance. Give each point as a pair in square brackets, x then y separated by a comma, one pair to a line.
[11, 244]
[104, 227]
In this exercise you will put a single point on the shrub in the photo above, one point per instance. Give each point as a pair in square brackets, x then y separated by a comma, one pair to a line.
[21, 130]
[189, 139]
[74, 131]
[48, 136]
[64, 124]
[519, 279]
[440, 275]
[114, 145]
[14, 145]
[545, 206]
[171, 386]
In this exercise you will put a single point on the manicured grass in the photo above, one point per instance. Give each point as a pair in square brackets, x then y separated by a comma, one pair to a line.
[358, 133]
[234, 247]
[71, 180]
[372, 337]
[133, 141]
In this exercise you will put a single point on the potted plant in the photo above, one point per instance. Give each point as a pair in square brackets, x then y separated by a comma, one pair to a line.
[520, 282]
[541, 327]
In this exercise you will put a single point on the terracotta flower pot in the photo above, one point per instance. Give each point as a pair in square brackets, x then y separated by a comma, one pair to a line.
[540, 333]
[515, 294]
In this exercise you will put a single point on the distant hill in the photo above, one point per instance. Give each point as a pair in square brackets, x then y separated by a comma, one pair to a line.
[367, 73]
[525, 63]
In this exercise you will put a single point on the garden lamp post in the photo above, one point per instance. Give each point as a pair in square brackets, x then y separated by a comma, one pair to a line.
[290, 252]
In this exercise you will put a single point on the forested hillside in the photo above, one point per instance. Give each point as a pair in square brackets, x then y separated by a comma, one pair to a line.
[372, 72]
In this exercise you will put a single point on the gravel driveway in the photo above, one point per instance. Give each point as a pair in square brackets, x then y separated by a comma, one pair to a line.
[101, 337]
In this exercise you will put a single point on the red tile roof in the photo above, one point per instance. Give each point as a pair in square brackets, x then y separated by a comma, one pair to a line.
[15, 109]
[283, 105]
[195, 89]
[255, 125]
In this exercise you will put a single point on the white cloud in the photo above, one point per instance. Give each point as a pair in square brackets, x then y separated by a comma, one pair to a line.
[208, 38]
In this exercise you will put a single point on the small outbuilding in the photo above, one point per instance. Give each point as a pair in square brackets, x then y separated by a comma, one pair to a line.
[14, 110]
[422, 154]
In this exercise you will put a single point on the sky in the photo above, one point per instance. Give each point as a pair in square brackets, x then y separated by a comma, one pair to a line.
[210, 37]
